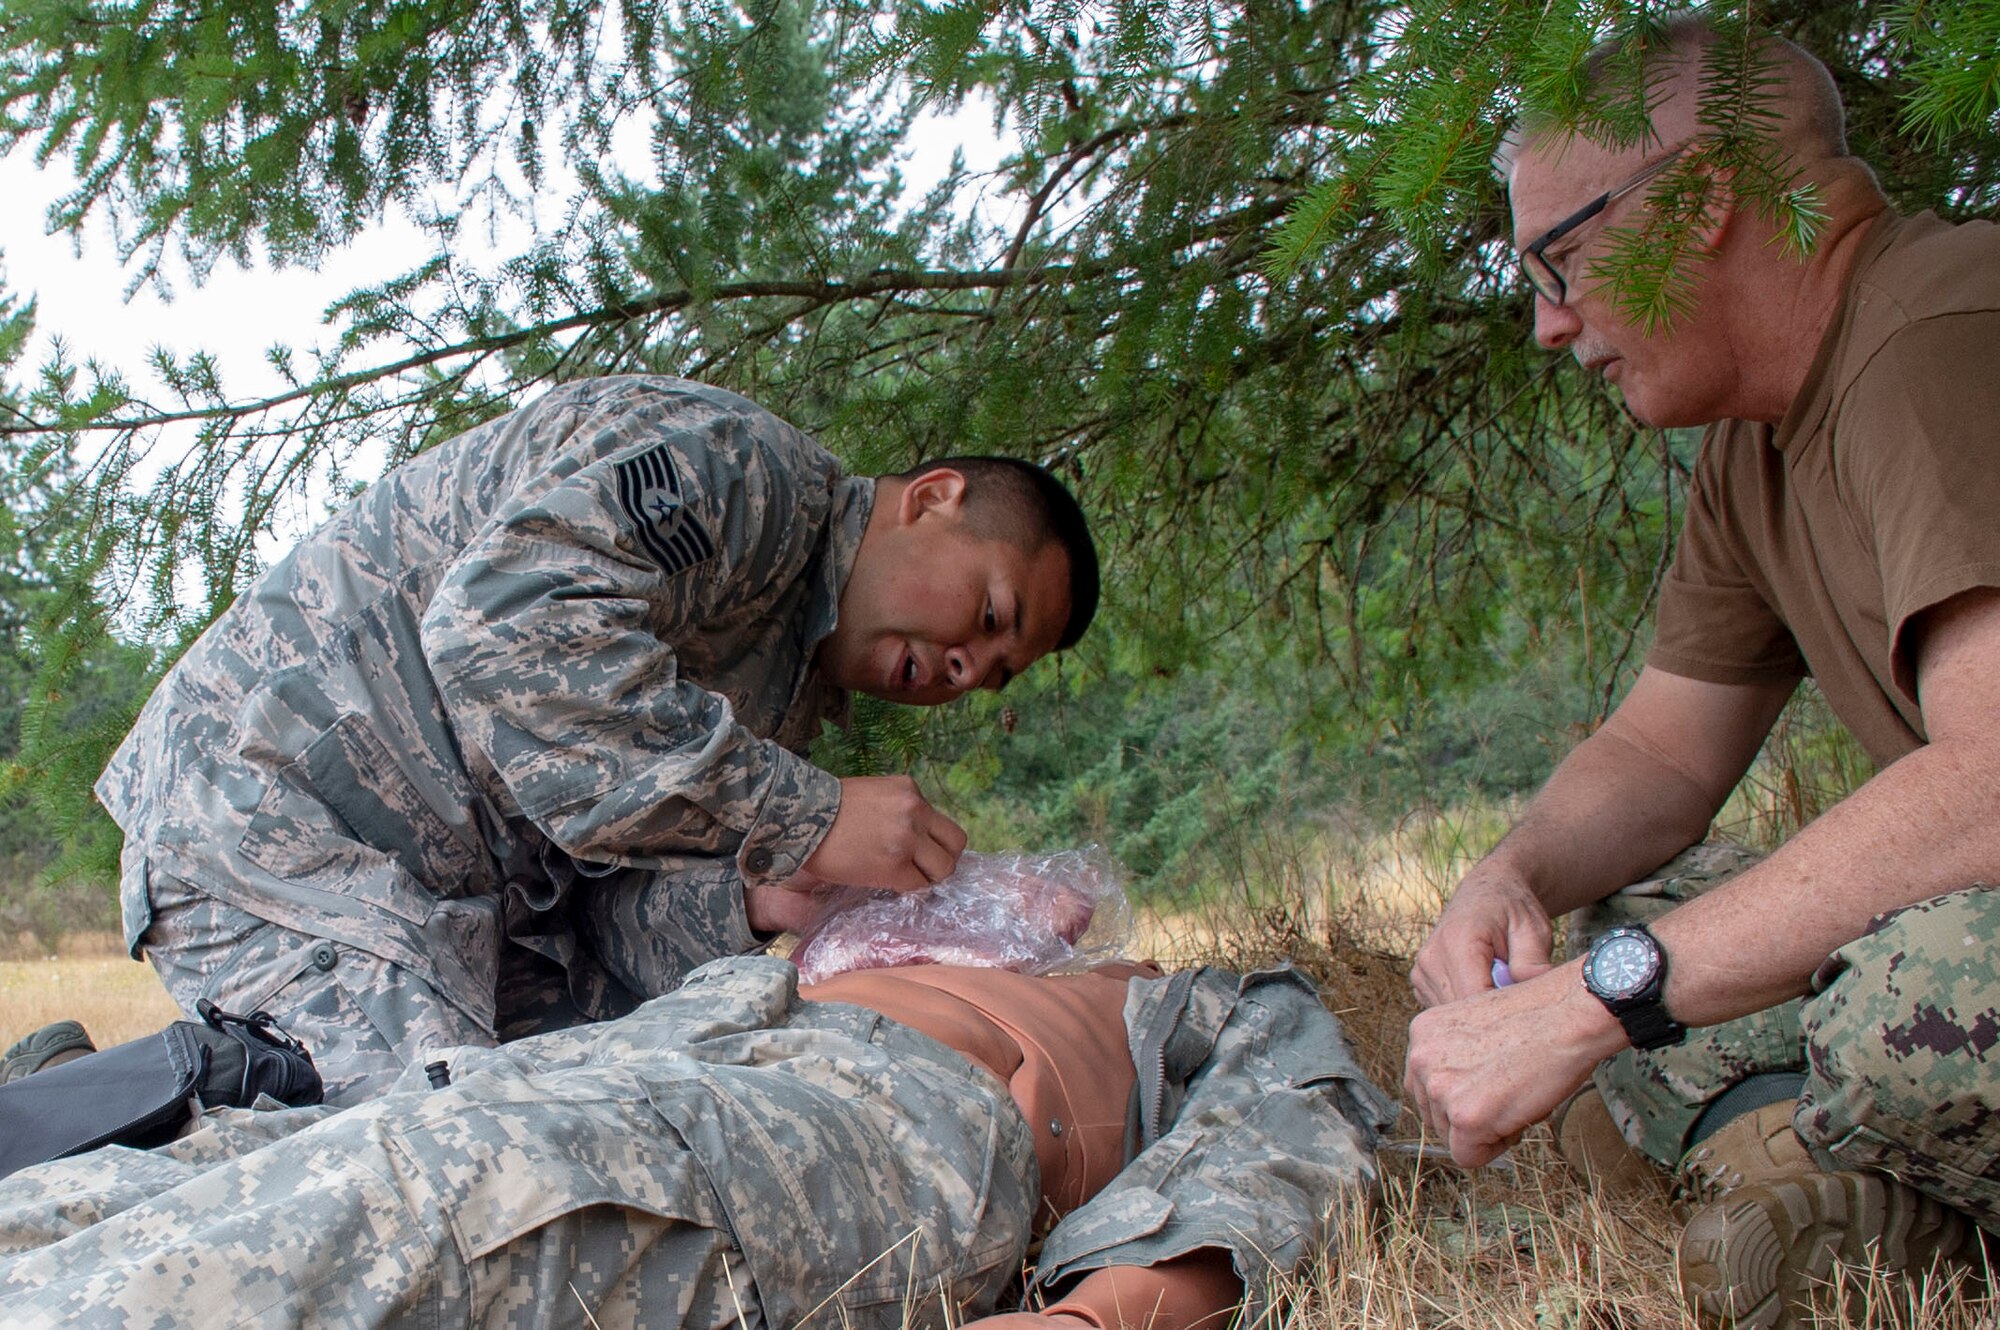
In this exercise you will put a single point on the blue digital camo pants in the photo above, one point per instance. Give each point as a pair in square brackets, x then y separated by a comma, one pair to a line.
[366, 1018]
[1896, 1041]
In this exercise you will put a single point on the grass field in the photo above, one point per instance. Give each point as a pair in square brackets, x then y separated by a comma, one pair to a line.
[1520, 1245]
[89, 980]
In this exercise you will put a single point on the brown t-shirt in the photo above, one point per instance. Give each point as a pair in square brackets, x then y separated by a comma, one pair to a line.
[1810, 547]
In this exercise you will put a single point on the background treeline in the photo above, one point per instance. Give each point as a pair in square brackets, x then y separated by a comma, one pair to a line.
[1243, 277]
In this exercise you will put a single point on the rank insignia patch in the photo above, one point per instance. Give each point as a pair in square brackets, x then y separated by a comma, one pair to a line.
[649, 490]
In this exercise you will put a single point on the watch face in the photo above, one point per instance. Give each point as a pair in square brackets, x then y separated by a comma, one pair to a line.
[1621, 965]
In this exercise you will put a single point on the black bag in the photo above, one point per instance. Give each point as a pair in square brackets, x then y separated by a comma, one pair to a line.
[145, 1093]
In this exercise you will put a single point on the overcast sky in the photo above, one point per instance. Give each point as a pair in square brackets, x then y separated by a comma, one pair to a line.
[238, 314]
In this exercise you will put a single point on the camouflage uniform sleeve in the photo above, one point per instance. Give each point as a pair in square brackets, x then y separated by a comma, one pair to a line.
[1276, 1123]
[553, 638]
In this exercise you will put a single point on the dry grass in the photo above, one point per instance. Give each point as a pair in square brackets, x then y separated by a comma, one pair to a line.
[90, 980]
[1523, 1243]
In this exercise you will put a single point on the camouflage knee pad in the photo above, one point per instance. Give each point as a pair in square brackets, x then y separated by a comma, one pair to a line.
[1655, 1097]
[1900, 1034]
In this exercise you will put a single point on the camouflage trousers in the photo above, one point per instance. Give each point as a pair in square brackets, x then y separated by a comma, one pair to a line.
[726, 1156]
[1894, 1041]
[363, 1019]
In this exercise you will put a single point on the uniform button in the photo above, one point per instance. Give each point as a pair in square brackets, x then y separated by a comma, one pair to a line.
[1055, 1126]
[322, 955]
[758, 861]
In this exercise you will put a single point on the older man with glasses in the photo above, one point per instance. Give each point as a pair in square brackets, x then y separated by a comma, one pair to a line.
[1808, 1038]
[1544, 272]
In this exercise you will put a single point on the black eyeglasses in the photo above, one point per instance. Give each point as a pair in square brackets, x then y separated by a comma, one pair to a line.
[1542, 275]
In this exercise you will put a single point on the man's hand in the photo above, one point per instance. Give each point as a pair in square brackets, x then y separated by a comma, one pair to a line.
[1482, 1070]
[786, 907]
[887, 835]
[1029, 1321]
[1493, 915]
[1627, 799]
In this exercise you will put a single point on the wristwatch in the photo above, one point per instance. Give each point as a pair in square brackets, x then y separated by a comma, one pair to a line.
[1626, 970]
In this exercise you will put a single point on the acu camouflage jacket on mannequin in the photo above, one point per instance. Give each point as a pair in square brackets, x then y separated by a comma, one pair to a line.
[726, 1155]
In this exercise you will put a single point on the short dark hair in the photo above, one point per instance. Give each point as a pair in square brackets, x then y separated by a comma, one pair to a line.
[1024, 504]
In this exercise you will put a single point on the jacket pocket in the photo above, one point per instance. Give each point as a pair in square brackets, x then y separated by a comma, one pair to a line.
[858, 1181]
[344, 818]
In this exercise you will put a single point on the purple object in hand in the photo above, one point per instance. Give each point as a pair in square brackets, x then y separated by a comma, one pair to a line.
[1502, 976]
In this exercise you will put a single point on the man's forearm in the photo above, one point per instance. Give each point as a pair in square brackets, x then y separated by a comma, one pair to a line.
[1610, 813]
[1922, 827]
[1624, 802]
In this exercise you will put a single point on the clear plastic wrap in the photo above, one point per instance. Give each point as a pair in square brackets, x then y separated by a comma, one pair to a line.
[1035, 913]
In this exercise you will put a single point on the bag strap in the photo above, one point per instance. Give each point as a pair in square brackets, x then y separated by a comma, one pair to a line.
[261, 1059]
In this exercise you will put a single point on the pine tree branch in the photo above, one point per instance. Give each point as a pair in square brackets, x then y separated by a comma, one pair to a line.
[816, 295]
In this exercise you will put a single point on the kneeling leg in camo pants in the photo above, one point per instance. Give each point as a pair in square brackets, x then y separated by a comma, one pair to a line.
[362, 1018]
[1895, 1043]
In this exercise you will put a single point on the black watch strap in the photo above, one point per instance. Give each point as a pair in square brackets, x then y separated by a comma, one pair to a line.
[1648, 1025]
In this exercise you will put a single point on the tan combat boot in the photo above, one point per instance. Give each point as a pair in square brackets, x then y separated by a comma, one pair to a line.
[1770, 1225]
[1759, 1146]
[1591, 1144]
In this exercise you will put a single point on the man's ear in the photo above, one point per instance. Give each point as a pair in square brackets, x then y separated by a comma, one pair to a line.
[1719, 211]
[939, 492]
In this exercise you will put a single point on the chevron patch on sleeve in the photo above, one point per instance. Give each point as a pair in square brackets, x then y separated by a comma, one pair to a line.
[649, 490]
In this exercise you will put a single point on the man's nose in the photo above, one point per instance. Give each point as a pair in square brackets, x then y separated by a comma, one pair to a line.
[964, 667]
[1556, 326]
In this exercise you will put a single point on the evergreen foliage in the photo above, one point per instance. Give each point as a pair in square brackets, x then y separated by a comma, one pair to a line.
[1244, 276]
[68, 688]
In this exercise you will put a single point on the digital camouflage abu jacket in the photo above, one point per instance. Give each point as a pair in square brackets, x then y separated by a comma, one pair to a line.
[564, 655]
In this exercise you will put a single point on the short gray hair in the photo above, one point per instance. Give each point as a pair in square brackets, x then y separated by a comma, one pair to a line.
[1814, 117]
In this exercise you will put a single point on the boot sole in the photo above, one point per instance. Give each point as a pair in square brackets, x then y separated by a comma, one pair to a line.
[58, 1042]
[1756, 1259]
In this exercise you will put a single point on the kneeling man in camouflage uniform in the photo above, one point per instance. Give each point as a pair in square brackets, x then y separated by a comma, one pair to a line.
[877, 1150]
[515, 740]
